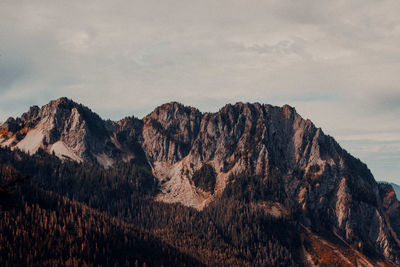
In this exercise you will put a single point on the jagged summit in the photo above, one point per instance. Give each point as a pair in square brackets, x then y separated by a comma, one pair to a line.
[70, 130]
[173, 105]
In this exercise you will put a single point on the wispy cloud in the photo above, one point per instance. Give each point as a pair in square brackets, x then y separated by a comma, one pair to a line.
[384, 137]
[382, 157]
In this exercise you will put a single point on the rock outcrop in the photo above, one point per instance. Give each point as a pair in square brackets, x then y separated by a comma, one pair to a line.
[65, 128]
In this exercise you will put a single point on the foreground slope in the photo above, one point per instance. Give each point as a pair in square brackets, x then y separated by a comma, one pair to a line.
[122, 194]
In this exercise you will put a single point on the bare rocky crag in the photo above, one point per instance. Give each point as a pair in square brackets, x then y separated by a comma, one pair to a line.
[329, 186]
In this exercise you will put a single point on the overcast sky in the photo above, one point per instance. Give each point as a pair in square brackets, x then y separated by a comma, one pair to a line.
[337, 62]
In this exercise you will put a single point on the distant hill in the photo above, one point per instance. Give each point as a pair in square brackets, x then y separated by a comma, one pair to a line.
[396, 188]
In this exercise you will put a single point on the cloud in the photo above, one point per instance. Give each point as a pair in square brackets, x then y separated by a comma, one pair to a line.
[387, 101]
[336, 62]
[386, 137]
[12, 70]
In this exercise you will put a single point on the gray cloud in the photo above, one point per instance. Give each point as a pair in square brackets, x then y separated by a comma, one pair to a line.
[13, 70]
[382, 157]
[388, 102]
[337, 62]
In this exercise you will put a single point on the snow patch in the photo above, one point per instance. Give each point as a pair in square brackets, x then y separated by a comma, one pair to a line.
[31, 142]
[62, 151]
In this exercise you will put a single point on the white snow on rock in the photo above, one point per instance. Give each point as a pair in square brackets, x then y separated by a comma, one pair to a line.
[31, 141]
[62, 151]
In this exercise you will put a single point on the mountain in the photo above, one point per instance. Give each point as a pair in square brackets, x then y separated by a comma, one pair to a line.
[267, 157]
[65, 128]
[396, 190]
[395, 187]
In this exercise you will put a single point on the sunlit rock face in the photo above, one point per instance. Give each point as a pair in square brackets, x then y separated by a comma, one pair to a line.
[65, 128]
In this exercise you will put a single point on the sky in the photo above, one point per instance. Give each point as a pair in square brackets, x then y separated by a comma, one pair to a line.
[337, 62]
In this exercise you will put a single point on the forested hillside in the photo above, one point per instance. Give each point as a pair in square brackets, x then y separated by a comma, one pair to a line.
[84, 214]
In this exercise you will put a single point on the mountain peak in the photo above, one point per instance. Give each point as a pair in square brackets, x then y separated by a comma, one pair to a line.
[63, 100]
[70, 130]
[171, 110]
[61, 103]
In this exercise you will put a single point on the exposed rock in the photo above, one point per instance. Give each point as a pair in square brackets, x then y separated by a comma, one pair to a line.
[333, 188]
[65, 128]
[169, 132]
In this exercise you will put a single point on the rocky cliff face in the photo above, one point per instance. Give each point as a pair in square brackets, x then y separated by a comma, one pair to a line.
[332, 190]
[65, 128]
[330, 186]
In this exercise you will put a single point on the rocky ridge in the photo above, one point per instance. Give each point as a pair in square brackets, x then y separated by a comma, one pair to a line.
[67, 129]
[328, 185]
